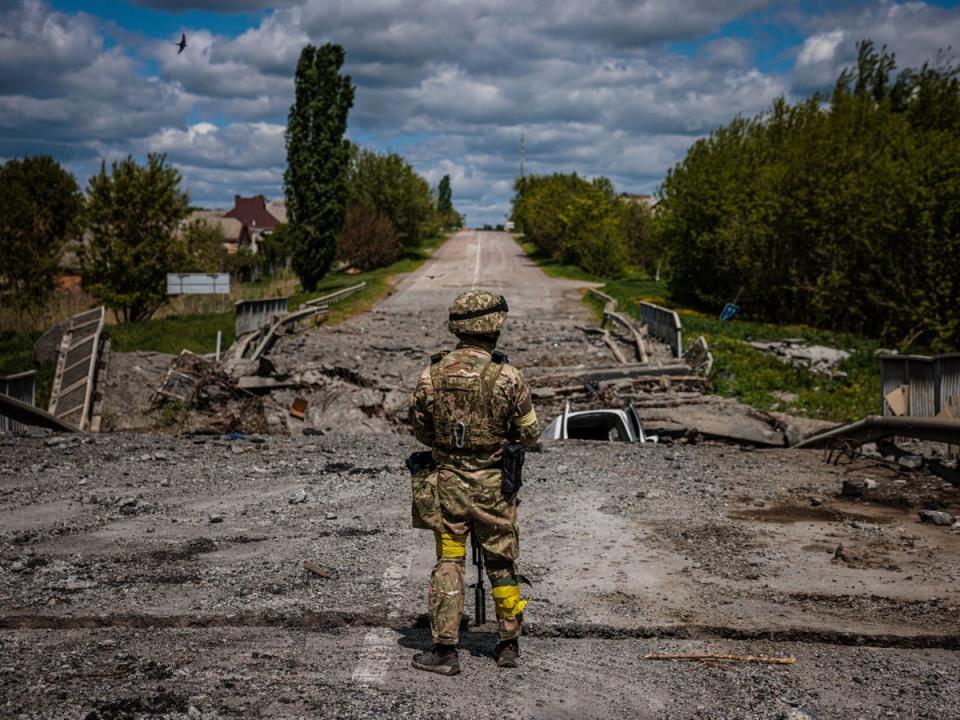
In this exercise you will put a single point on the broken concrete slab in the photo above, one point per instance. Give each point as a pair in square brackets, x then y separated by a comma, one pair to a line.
[819, 359]
[717, 419]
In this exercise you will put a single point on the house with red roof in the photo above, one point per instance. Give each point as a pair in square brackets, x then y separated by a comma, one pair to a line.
[256, 218]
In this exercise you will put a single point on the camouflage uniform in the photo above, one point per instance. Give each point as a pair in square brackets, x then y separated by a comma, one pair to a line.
[471, 397]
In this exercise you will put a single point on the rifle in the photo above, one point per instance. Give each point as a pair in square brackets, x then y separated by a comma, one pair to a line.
[479, 593]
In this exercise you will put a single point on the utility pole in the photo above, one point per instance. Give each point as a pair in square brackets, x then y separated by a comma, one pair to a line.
[522, 154]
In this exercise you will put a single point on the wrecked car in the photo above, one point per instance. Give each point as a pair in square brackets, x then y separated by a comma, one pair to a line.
[611, 425]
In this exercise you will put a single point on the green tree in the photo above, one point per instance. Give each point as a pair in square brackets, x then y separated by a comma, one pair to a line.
[446, 213]
[388, 183]
[41, 204]
[277, 248]
[573, 219]
[317, 158]
[203, 244]
[444, 196]
[132, 214]
[838, 212]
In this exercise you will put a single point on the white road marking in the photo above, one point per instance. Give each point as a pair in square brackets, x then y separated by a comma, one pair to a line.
[476, 267]
[380, 644]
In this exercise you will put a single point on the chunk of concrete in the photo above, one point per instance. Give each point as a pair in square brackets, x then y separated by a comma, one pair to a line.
[937, 517]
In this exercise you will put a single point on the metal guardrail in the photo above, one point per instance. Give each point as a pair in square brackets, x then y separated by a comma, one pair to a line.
[931, 381]
[336, 295]
[610, 313]
[271, 335]
[663, 324]
[251, 315]
[22, 387]
[72, 393]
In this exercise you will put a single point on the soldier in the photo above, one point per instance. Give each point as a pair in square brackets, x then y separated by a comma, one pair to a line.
[468, 406]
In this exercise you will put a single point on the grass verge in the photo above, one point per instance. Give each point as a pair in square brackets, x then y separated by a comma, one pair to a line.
[746, 373]
[197, 333]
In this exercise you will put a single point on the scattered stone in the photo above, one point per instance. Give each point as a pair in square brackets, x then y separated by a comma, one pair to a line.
[316, 569]
[127, 501]
[215, 518]
[937, 517]
[853, 488]
[331, 516]
[57, 441]
[298, 498]
[911, 462]
[795, 714]
[562, 469]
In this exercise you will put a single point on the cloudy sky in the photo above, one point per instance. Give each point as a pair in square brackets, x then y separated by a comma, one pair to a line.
[601, 87]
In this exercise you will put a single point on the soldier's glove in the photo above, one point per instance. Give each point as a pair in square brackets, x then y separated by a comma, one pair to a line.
[512, 469]
[420, 461]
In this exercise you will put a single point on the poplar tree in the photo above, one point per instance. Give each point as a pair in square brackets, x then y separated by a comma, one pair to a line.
[317, 158]
[444, 197]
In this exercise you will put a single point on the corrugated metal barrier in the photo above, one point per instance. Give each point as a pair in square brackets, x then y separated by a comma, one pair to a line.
[22, 387]
[252, 315]
[72, 394]
[931, 381]
[663, 324]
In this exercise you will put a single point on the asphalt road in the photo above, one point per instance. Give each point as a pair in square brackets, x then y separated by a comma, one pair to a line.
[158, 576]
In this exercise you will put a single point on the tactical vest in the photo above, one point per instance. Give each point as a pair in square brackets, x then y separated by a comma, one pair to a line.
[464, 417]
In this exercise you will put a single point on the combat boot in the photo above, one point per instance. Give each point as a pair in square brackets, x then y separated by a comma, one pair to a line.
[442, 659]
[506, 653]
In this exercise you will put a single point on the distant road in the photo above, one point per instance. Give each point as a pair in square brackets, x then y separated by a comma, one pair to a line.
[491, 261]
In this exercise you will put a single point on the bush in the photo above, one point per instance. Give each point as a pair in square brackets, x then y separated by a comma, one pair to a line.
[369, 239]
[575, 220]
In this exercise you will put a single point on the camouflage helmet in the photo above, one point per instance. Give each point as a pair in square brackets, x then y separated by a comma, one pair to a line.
[477, 312]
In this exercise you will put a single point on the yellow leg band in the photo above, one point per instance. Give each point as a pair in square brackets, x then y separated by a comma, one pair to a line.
[507, 600]
[451, 547]
[529, 419]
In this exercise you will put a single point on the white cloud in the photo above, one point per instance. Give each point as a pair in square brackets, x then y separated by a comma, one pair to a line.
[592, 84]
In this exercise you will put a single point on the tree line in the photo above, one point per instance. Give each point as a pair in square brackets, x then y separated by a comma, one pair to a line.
[840, 212]
[583, 222]
[129, 229]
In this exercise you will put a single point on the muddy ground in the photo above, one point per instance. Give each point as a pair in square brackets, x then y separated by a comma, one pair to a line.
[146, 575]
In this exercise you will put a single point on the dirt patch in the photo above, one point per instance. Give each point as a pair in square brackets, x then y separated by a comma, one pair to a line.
[185, 551]
[795, 514]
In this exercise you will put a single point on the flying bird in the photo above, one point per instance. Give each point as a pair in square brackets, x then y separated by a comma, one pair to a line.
[182, 45]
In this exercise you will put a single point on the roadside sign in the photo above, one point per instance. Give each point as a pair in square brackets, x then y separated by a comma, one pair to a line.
[198, 283]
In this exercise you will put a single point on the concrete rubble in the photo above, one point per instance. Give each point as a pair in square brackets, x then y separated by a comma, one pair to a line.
[819, 359]
[270, 571]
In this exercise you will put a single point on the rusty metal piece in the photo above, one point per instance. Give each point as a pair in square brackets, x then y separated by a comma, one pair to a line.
[299, 408]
